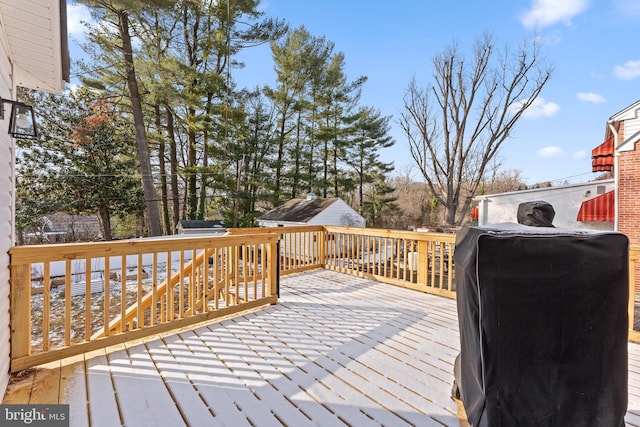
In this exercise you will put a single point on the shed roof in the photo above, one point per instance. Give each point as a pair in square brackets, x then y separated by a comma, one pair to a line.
[35, 37]
[61, 221]
[200, 223]
[298, 210]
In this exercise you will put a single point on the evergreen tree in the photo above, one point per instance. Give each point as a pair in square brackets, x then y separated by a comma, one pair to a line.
[337, 101]
[297, 59]
[363, 154]
[82, 163]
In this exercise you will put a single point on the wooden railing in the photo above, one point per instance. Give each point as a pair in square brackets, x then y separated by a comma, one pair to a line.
[301, 247]
[72, 298]
[416, 260]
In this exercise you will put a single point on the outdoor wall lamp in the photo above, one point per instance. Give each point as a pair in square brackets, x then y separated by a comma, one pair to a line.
[22, 122]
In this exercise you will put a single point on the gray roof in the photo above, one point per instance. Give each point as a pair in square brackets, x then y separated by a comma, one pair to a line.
[200, 223]
[298, 210]
[63, 222]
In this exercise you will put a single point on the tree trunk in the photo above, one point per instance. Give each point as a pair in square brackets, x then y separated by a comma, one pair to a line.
[173, 165]
[163, 174]
[295, 190]
[138, 120]
[361, 181]
[279, 161]
[204, 177]
[105, 219]
[192, 177]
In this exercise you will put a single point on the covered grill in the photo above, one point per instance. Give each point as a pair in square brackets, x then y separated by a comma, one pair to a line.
[543, 326]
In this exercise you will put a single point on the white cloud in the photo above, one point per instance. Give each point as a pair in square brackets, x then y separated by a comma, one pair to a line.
[629, 71]
[76, 15]
[551, 151]
[541, 108]
[578, 155]
[628, 7]
[591, 97]
[545, 13]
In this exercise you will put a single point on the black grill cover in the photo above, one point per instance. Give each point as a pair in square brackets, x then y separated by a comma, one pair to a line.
[543, 326]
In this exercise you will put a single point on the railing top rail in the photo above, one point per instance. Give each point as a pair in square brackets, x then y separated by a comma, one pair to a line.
[64, 251]
[279, 230]
[380, 232]
[376, 232]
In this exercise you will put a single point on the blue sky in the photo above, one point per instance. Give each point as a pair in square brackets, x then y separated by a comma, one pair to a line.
[592, 45]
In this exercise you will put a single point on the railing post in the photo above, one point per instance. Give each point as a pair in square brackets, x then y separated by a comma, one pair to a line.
[20, 311]
[277, 278]
[321, 247]
[423, 262]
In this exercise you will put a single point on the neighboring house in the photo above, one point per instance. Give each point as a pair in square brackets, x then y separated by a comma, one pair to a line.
[620, 155]
[312, 211]
[200, 226]
[33, 54]
[572, 204]
[63, 228]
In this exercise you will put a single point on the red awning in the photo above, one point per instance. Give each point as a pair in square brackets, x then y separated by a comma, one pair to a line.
[601, 208]
[602, 156]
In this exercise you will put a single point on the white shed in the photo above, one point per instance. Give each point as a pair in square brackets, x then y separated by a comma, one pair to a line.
[201, 227]
[33, 54]
[566, 201]
[312, 211]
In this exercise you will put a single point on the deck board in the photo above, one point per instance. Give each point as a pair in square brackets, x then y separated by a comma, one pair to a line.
[335, 350]
[100, 392]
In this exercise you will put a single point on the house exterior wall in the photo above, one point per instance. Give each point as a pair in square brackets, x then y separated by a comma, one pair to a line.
[566, 201]
[629, 184]
[6, 218]
[338, 213]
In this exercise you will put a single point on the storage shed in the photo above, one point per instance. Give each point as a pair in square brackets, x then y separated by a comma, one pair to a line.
[201, 226]
[312, 211]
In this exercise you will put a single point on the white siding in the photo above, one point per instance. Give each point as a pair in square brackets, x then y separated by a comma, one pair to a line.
[31, 29]
[6, 221]
[566, 202]
[338, 213]
[632, 126]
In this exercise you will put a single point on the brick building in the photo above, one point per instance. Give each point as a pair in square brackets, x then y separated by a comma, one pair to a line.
[620, 156]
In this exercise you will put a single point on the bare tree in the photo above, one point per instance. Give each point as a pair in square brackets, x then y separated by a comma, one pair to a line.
[498, 180]
[455, 126]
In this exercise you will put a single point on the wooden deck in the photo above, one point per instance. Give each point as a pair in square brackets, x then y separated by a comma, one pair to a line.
[335, 350]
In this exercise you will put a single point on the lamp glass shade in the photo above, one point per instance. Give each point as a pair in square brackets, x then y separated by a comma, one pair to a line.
[22, 123]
